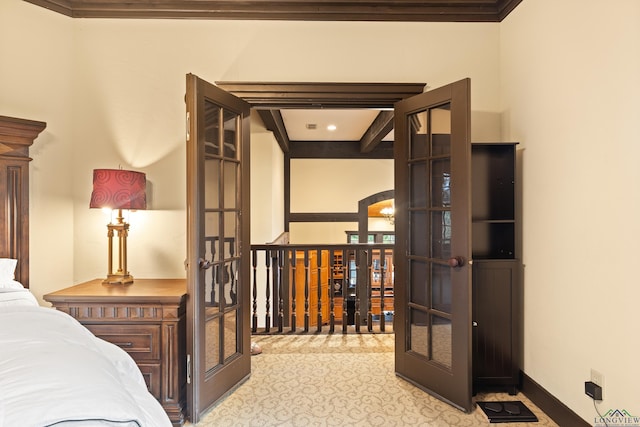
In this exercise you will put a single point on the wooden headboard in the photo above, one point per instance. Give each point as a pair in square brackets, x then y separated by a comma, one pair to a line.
[16, 136]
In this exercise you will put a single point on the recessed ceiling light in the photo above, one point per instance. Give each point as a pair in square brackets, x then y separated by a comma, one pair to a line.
[331, 127]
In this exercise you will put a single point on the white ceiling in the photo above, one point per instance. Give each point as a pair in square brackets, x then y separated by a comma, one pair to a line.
[351, 124]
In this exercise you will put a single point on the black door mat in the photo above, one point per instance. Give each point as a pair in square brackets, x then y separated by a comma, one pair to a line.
[507, 412]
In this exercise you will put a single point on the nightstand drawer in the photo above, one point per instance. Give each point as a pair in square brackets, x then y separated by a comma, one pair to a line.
[153, 377]
[142, 342]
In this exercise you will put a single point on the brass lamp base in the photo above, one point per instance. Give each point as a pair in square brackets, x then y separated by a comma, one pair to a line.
[121, 275]
[118, 279]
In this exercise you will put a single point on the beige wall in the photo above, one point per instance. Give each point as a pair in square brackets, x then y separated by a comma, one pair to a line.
[333, 185]
[36, 83]
[570, 91]
[558, 76]
[112, 93]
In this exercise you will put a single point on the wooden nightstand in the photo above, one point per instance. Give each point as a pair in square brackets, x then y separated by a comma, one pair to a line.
[147, 320]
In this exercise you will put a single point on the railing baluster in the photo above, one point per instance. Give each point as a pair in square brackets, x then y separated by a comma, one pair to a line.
[267, 316]
[332, 293]
[293, 290]
[358, 320]
[319, 290]
[254, 262]
[369, 291]
[345, 290]
[383, 271]
[288, 281]
[280, 255]
[306, 290]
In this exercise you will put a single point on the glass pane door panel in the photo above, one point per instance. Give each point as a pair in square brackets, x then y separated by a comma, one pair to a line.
[441, 287]
[211, 179]
[440, 122]
[212, 129]
[418, 172]
[230, 224]
[419, 238]
[440, 183]
[212, 349]
[230, 336]
[223, 284]
[441, 234]
[440, 145]
[441, 344]
[418, 131]
[209, 288]
[233, 282]
[418, 271]
[210, 249]
[212, 226]
[230, 184]
[230, 134]
[419, 333]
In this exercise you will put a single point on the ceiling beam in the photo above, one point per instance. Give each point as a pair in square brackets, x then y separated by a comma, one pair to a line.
[291, 10]
[338, 150]
[273, 121]
[380, 128]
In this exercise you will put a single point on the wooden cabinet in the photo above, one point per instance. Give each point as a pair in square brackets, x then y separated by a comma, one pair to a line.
[147, 320]
[496, 314]
[339, 284]
[311, 282]
[496, 283]
[382, 277]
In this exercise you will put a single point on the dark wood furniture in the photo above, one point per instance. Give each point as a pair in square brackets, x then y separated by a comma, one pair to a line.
[16, 136]
[147, 320]
[497, 308]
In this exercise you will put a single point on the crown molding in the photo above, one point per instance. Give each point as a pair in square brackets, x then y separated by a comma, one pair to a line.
[289, 10]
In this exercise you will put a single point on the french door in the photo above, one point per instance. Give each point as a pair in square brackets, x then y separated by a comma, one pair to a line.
[432, 154]
[218, 243]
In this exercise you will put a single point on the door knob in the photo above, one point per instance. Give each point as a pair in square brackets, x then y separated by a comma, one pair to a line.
[456, 261]
[204, 264]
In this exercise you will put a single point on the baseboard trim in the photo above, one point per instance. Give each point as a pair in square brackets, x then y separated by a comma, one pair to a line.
[550, 405]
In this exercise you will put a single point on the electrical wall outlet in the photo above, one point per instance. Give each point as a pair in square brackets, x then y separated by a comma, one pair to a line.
[597, 378]
[593, 390]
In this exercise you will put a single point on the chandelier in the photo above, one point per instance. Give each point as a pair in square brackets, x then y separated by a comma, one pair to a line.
[388, 213]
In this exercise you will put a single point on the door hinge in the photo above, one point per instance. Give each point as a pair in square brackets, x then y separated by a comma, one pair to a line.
[188, 126]
[188, 369]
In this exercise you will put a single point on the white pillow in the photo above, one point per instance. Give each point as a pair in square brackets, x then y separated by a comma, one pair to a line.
[10, 284]
[7, 269]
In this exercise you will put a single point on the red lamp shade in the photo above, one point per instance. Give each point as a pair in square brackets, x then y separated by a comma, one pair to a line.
[118, 189]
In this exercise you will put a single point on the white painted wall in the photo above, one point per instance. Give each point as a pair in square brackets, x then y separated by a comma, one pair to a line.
[570, 90]
[333, 185]
[113, 94]
[36, 83]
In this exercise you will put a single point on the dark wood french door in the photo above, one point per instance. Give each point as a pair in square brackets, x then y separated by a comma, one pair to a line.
[218, 244]
[432, 153]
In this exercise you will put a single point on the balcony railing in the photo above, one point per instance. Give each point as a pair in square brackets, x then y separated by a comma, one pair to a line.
[305, 288]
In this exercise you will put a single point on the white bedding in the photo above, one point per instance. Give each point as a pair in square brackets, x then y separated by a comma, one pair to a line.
[53, 371]
[16, 296]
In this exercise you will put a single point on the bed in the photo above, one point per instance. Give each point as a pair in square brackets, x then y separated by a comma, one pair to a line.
[53, 371]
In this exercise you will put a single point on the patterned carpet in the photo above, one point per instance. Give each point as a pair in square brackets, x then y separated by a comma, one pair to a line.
[338, 380]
